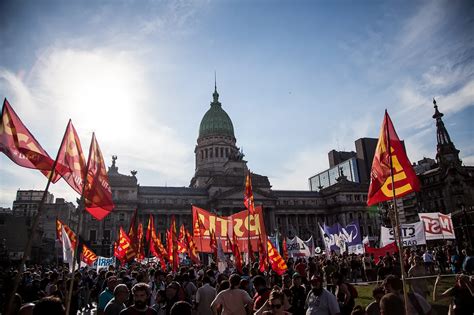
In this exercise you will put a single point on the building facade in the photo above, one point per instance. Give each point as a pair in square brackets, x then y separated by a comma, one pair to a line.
[218, 186]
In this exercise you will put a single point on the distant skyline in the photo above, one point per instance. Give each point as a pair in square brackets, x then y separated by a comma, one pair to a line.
[298, 79]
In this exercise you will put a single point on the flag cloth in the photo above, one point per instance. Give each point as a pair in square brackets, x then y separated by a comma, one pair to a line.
[213, 245]
[124, 250]
[284, 249]
[72, 159]
[276, 261]
[88, 255]
[199, 227]
[391, 248]
[68, 249]
[251, 254]
[156, 247]
[248, 194]
[70, 233]
[262, 256]
[182, 246]
[20, 146]
[97, 193]
[140, 247]
[236, 253]
[192, 248]
[173, 245]
[389, 147]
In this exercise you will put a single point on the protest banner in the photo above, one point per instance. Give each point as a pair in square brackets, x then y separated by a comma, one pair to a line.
[412, 234]
[237, 224]
[437, 226]
[104, 262]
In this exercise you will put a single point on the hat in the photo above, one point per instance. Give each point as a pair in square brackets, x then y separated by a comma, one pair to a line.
[296, 275]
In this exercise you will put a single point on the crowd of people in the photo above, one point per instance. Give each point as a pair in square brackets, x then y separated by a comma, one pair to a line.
[318, 285]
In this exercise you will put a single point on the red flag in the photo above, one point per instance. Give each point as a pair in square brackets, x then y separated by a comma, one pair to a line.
[192, 252]
[276, 261]
[248, 194]
[88, 255]
[20, 146]
[389, 147]
[124, 250]
[236, 253]
[391, 248]
[213, 245]
[262, 256]
[140, 248]
[251, 253]
[98, 195]
[182, 240]
[284, 249]
[72, 159]
[69, 232]
[173, 245]
[199, 227]
[156, 248]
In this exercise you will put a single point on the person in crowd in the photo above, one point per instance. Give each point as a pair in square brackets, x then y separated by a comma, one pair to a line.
[416, 303]
[172, 295]
[392, 304]
[428, 261]
[117, 303]
[343, 293]
[298, 295]
[262, 292]
[107, 294]
[374, 307]
[276, 303]
[204, 297]
[160, 302]
[141, 294]
[419, 286]
[461, 295]
[182, 308]
[49, 305]
[233, 301]
[319, 300]
[468, 262]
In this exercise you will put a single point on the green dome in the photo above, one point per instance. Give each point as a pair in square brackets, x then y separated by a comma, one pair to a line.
[216, 122]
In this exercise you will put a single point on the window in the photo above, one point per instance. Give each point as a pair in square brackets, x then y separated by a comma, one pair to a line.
[222, 152]
[107, 235]
[92, 235]
[370, 229]
[122, 216]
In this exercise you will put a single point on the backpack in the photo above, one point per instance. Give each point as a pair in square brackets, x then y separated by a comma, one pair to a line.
[352, 291]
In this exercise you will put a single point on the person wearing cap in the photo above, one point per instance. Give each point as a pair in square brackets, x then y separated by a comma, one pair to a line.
[319, 300]
[298, 293]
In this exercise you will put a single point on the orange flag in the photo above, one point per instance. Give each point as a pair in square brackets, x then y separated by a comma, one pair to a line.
[236, 253]
[390, 155]
[192, 252]
[88, 255]
[69, 232]
[156, 248]
[140, 247]
[182, 240]
[173, 245]
[248, 194]
[284, 249]
[276, 261]
[124, 250]
[20, 146]
[72, 158]
[262, 256]
[98, 194]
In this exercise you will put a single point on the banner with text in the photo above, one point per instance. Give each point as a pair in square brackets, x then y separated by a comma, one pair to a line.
[298, 248]
[437, 226]
[104, 262]
[412, 234]
[343, 239]
[237, 223]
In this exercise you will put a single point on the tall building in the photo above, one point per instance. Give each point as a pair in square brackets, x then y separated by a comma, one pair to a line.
[218, 185]
[447, 186]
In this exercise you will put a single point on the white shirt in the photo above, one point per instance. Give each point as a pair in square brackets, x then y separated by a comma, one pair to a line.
[204, 297]
[233, 301]
[324, 304]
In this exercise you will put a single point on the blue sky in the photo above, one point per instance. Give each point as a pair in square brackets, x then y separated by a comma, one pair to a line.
[298, 78]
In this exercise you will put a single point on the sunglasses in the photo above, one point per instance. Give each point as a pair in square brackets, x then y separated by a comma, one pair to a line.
[277, 306]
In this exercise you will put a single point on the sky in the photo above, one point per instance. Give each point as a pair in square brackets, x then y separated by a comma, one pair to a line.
[297, 78]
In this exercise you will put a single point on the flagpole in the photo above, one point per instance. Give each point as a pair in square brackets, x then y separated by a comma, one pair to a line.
[33, 228]
[81, 208]
[397, 220]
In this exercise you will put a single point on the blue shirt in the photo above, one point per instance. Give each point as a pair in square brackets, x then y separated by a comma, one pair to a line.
[104, 298]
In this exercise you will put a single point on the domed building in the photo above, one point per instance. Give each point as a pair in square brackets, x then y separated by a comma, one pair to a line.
[218, 185]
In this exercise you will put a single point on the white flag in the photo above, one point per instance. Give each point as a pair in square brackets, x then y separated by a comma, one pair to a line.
[68, 251]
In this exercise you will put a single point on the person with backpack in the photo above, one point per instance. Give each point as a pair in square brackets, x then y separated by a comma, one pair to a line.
[345, 293]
